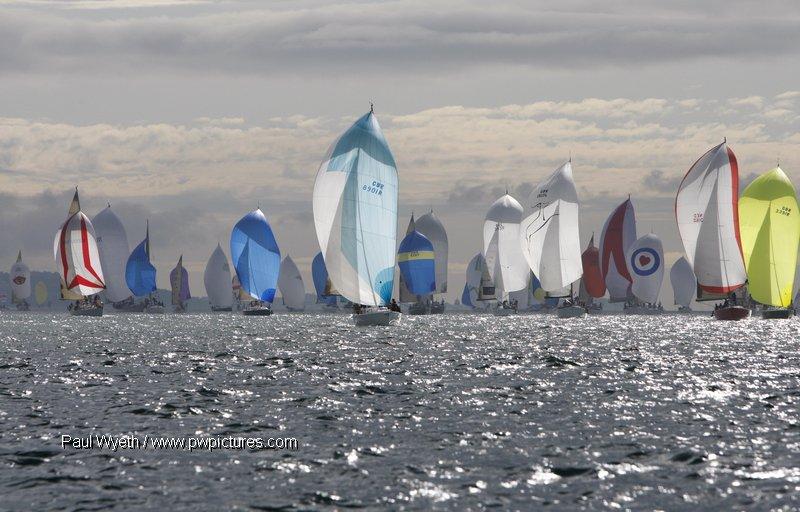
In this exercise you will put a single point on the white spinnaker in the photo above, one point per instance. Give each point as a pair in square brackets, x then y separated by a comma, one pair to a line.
[474, 274]
[433, 229]
[112, 244]
[684, 284]
[217, 279]
[77, 257]
[20, 280]
[502, 222]
[549, 234]
[290, 283]
[646, 264]
[707, 212]
[356, 226]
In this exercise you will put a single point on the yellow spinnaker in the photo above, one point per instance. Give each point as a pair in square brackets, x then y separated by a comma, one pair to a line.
[41, 293]
[769, 226]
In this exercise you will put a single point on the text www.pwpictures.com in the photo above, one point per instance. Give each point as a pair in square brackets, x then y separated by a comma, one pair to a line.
[187, 443]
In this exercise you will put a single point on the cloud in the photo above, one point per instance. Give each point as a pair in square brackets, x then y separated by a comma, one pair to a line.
[315, 39]
[655, 180]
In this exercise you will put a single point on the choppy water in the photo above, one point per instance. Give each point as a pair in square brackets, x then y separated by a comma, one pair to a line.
[450, 412]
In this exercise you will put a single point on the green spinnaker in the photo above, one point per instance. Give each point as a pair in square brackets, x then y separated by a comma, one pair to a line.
[769, 227]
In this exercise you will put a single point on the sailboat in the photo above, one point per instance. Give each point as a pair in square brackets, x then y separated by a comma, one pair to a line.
[355, 216]
[684, 284]
[550, 239]
[646, 265]
[770, 229]
[619, 232]
[20, 276]
[593, 286]
[78, 262]
[326, 294]
[140, 276]
[290, 283]
[257, 260]
[112, 243]
[418, 306]
[432, 228]
[417, 267]
[179, 280]
[217, 279]
[40, 293]
[707, 212]
[502, 251]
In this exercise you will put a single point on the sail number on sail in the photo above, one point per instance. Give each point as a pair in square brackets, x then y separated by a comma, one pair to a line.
[376, 188]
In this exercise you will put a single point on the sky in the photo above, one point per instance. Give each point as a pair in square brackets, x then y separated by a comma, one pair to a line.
[192, 113]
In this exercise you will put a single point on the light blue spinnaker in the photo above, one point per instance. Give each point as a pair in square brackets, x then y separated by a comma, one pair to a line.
[140, 274]
[416, 260]
[355, 213]
[256, 256]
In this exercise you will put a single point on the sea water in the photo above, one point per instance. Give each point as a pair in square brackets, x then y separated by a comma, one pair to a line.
[454, 411]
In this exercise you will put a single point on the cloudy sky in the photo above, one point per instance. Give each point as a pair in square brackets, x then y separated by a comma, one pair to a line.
[192, 113]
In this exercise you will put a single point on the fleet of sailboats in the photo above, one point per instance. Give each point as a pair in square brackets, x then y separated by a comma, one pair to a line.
[739, 249]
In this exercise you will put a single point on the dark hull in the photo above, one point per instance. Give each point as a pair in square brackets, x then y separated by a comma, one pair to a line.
[774, 314]
[86, 311]
[418, 309]
[128, 307]
[731, 313]
[221, 310]
[257, 312]
[437, 309]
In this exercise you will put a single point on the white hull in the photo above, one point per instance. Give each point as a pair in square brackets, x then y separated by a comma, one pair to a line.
[571, 312]
[377, 318]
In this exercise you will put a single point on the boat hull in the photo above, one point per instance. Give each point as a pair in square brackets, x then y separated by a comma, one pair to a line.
[220, 310]
[371, 318]
[86, 311]
[437, 309]
[257, 312]
[731, 313]
[129, 308]
[418, 309]
[775, 314]
[571, 312]
[154, 310]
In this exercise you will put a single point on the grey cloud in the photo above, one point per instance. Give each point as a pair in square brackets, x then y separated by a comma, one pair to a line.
[312, 39]
[656, 181]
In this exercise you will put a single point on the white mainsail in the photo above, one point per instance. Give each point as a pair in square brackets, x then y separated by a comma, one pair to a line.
[504, 259]
[290, 283]
[550, 233]
[112, 244]
[20, 281]
[432, 228]
[684, 284]
[355, 213]
[217, 279]
[707, 212]
[77, 257]
[646, 264]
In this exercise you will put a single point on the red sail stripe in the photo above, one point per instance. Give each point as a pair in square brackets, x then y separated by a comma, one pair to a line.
[80, 280]
[735, 194]
[62, 249]
[85, 247]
